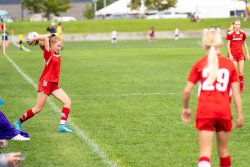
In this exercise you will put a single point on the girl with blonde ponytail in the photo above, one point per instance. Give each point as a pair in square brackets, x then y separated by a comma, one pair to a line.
[217, 76]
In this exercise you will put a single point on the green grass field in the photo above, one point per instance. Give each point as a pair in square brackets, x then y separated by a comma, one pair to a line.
[125, 25]
[125, 97]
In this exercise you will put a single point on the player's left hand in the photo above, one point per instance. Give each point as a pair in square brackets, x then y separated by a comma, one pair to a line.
[247, 57]
[186, 115]
[239, 122]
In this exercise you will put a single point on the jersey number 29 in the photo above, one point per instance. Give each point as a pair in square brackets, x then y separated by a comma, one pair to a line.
[222, 80]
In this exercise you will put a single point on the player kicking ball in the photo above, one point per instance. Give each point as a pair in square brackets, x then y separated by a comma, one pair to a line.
[49, 80]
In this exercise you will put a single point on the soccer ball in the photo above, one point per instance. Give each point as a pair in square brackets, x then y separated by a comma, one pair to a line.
[30, 35]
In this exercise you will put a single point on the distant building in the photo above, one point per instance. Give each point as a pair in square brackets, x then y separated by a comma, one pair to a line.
[14, 9]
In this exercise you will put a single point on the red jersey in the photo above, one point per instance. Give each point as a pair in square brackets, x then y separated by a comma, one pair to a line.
[51, 70]
[237, 40]
[151, 33]
[214, 100]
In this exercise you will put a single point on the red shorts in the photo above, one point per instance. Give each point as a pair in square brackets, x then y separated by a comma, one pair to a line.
[214, 124]
[47, 87]
[239, 58]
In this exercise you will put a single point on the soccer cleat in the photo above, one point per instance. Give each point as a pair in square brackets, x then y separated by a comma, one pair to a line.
[18, 126]
[20, 138]
[63, 128]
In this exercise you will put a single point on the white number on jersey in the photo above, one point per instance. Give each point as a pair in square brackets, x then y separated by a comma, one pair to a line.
[222, 80]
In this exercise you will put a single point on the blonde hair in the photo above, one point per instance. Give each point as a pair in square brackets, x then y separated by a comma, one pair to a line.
[235, 21]
[52, 39]
[231, 28]
[212, 41]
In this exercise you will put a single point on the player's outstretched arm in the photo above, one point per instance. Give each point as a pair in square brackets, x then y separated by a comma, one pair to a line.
[44, 39]
[39, 37]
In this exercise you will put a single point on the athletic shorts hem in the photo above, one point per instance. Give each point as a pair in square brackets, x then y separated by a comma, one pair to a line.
[47, 87]
[210, 124]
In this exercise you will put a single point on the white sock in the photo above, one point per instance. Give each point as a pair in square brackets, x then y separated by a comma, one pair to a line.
[204, 164]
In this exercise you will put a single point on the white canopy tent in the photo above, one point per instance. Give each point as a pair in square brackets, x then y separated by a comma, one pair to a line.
[204, 8]
[119, 7]
[209, 8]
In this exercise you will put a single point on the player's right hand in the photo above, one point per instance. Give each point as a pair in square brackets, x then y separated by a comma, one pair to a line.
[31, 40]
[231, 57]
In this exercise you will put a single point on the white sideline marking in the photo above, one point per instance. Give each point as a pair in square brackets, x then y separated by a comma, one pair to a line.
[24, 48]
[77, 130]
[199, 43]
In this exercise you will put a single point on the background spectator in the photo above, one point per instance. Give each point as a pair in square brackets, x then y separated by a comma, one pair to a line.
[151, 35]
[114, 37]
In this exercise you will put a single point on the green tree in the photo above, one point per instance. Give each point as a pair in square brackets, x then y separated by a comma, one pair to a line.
[47, 6]
[33, 5]
[246, 13]
[89, 12]
[100, 3]
[153, 4]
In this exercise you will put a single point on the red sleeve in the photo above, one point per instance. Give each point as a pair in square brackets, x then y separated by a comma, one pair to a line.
[194, 74]
[229, 37]
[46, 54]
[244, 37]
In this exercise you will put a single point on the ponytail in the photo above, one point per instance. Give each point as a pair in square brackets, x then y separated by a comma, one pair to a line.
[212, 42]
[213, 65]
[231, 28]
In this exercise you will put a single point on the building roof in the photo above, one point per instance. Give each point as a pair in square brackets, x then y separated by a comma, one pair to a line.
[119, 7]
[10, 1]
[19, 1]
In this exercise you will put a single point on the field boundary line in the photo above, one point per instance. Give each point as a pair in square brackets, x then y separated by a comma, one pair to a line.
[24, 48]
[79, 132]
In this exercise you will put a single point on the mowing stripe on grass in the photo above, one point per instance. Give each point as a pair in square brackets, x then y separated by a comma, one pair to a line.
[24, 48]
[130, 94]
[95, 147]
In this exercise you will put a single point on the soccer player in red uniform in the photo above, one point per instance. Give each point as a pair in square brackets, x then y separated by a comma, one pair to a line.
[48, 83]
[236, 38]
[151, 34]
[218, 79]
